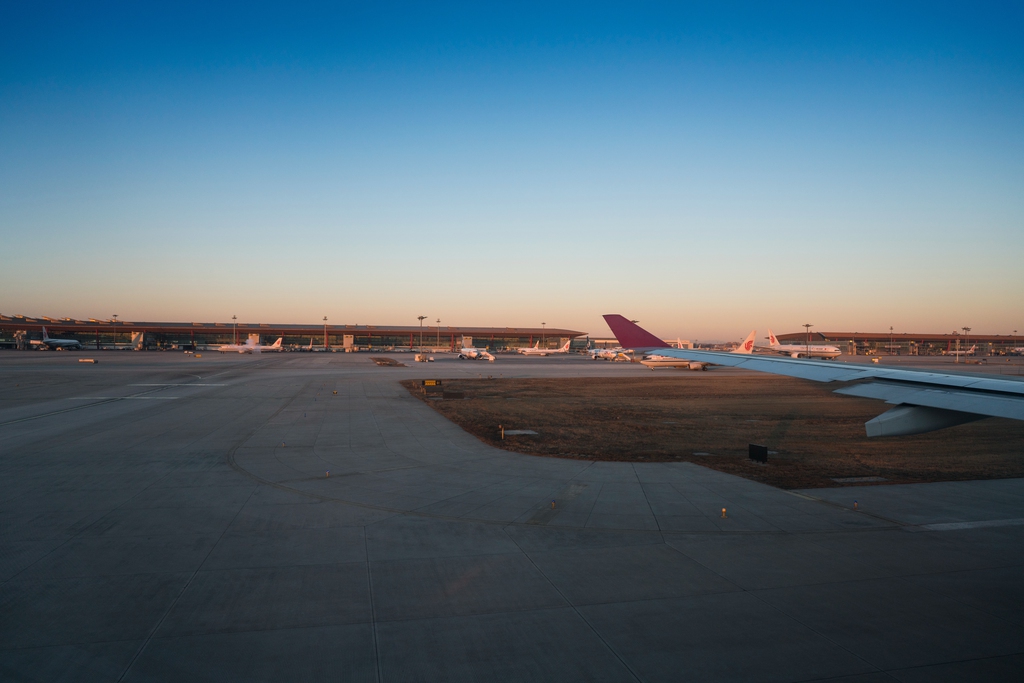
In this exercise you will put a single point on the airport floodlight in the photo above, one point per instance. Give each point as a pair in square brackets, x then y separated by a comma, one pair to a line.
[807, 327]
[421, 319]
[890, 340]
[234, 329]
[327, 346]
[438, 333]
[967, 342]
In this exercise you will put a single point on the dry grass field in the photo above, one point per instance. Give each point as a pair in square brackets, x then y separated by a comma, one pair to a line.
[710, 418]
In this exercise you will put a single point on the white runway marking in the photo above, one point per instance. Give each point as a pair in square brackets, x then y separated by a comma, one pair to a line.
[124, 398]
[955, 526]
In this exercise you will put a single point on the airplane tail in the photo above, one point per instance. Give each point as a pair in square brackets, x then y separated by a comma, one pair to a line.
[46, 335]
[277, 344]
[631, 335]
[747, 346]
[565, 346]
[773, 341]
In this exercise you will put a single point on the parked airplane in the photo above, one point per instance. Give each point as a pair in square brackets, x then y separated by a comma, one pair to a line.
[924, 400]
[473, 353]
[609, 354]
[966, 352]
[48, 342]
[252, 345]
[660, 360]
[535, 350]
[822, 351]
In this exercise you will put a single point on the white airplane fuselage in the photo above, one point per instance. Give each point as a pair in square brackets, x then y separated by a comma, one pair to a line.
[49, 342]
[807, 351]
[608, 354]
[473, 353]
[535, 350]
[823, 351]
[251, 346]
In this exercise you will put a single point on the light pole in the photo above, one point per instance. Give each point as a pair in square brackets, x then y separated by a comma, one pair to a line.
[967, 343]
[890, 340]
[234, 328]
[543, 341]
[115, 332]
[807, 327]
[421, 319]
[327, 346]
[438, 333]
[956, 354]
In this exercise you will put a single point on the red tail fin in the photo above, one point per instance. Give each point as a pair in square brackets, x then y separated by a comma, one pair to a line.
[631, 335]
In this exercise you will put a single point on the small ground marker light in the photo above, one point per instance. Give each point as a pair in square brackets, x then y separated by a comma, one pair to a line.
[552, 505]
[328, 473]
[283, 444]
[502, 428]
[723, 513]
[335, 393]
[854, 505]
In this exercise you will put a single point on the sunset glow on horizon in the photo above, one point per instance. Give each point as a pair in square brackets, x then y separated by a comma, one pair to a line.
[705, 170]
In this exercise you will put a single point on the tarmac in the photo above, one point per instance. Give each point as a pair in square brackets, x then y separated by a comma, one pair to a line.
[232, 518]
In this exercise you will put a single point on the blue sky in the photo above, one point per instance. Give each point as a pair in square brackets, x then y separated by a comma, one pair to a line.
[703, 168]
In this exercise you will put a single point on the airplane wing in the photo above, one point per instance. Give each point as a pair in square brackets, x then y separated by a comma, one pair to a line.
[925, 400]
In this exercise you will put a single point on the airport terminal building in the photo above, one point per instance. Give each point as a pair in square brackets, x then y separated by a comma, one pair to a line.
[907, 344]
[20, 331]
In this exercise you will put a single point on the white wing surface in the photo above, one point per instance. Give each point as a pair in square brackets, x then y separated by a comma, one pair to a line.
[926, 400]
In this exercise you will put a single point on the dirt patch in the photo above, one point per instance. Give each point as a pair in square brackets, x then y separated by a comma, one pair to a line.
[815, 436]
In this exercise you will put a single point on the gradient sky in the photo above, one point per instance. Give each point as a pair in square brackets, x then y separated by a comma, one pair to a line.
[705, 169]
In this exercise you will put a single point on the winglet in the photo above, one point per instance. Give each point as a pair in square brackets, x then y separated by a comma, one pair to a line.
[748, 344]
[773, 341]
[631, 335]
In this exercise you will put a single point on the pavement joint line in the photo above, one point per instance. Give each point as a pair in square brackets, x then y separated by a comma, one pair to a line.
[953, 661]
[57, 412]
[615, 653]
[184, 589]
[647, 500]
[874, 668]
[100, 400]
[232, 461]
[373, 608]
[843, 507]
[79, 532]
